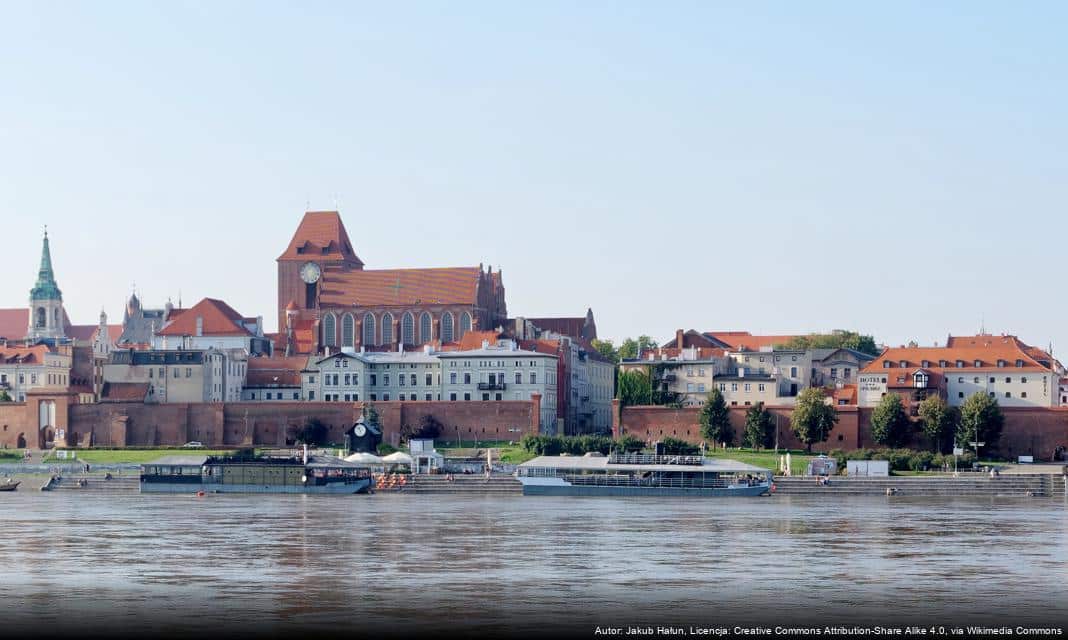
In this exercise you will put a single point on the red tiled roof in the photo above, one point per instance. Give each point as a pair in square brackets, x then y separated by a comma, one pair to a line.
[321, 234]
[219, 319]
[564, 326]
[27, 355]
[703, 353]
[395, 287]
[847, 394]
[87, 332]
[124, 392]
[987, 353]
[745, 341]
[273, 372]
[473, 339]
[303, 337]
[14, 323]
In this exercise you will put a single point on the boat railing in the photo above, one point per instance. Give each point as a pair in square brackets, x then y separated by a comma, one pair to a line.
[648, 458]
[600, 480]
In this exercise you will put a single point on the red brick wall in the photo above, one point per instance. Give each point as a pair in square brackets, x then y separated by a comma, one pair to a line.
[260, 423]
[17, 418]
[1037, 432]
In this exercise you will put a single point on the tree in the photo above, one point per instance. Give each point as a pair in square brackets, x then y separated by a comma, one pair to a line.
[630, 348]
[676, 447]
[429, 428]
[812, 418]
[715, 419]
[314, 433]
[889, 422]
[5, 396]
[758, 427]
[837, 339]
[606, 348]
[939, 420]
[371, 417]
[981, 420]
[634, 388]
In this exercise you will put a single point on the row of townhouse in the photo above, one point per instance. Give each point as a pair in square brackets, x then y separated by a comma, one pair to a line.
[747, 369]
[494, 372]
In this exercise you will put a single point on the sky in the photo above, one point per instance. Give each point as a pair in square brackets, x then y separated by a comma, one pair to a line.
[779, 167]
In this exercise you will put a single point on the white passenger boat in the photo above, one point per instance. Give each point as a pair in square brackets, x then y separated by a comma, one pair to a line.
[636, 474]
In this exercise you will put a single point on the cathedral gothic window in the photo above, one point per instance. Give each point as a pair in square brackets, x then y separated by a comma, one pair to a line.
[369, 330]
[424, 328]
[330, 330]
[387, 328]
[407, 328]
[446, 328]
[465, 323]
[348, 329]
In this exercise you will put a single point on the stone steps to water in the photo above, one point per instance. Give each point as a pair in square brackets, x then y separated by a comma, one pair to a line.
[97, 484]
[1017, 485]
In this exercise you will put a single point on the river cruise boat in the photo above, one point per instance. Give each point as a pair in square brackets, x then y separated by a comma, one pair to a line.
[229, 474]
[637, 474]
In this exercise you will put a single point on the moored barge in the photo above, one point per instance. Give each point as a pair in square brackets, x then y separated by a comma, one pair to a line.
[636, 474]
[236, 474]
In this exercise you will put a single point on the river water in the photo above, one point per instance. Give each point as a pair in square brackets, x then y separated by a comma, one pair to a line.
[406, 563]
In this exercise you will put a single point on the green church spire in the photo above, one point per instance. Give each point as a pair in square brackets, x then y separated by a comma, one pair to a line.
[46, 288]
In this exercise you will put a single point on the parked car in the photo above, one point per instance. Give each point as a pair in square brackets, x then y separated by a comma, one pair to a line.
[194, 445]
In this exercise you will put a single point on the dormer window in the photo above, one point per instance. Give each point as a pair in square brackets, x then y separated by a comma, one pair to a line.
[978, 363]
[1019, 363]
[887, 364]
[903, 364]
[919, 380]
[901, 379]
[942, 364]
[1001, 363]
[960, 364]
[925, 363]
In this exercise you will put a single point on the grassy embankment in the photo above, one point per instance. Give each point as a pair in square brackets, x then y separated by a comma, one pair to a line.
[133, 456]
[762, 458]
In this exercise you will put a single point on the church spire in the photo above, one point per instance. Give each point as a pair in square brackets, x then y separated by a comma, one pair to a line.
[46, 288]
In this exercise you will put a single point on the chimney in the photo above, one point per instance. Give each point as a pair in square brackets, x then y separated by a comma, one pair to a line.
[200, 325]
[485, 344]
[678, 338]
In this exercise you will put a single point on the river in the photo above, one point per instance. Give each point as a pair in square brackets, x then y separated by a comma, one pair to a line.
[406, 563]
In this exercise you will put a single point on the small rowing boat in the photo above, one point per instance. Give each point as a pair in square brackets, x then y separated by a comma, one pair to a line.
[9, 485]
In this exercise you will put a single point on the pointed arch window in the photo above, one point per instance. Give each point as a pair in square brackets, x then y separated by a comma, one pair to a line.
[408, 328]
[348, 330]
[387, 328]
[330, 330]
[424, 328]
[41, 318]
[369, 330]
[465, 323]
[447, 328]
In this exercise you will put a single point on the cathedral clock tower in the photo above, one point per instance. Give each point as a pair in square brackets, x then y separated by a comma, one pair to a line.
[319, 247]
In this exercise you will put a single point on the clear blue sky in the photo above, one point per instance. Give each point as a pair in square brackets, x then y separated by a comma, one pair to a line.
[776, 166]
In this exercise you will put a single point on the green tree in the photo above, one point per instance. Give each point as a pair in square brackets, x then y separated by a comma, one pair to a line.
[630, 347]
[759, 424]
[939, 420]
[371, 417]
[5, 396]
[980, 420]
[837, 339]
[676, 447]
[634, 388]
[889, 422]
[314, 433]
[715, 419]
[812, 418]
[606, 348]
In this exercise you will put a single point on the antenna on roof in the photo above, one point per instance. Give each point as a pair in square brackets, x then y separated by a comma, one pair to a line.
[982, 324]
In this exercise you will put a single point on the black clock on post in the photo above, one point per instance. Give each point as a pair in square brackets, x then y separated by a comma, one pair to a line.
[363, 438]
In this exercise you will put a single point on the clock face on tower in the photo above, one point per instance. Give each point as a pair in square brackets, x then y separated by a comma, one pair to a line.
[360, 430]
[310, 273]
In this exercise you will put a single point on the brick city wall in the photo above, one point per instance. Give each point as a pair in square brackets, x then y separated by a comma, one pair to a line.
[256, 423]
[1036, 432]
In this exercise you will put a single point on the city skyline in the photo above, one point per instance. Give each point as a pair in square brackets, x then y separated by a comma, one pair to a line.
[643, 166]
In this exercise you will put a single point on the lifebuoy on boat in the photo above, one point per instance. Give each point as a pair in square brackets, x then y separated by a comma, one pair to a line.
[200, 494]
